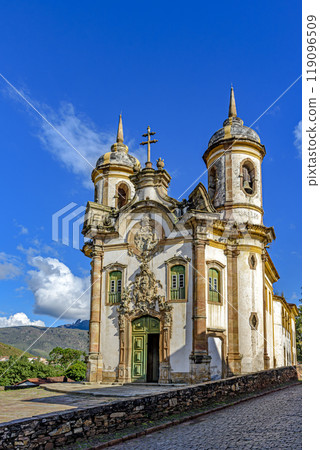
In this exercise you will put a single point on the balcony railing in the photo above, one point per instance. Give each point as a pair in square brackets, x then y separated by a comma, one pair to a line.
[177, 294]
[114, 297]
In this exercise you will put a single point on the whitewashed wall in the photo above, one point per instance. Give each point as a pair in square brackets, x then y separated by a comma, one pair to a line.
[250, 292]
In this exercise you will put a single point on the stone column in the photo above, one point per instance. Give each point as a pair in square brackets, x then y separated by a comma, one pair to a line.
[233, 357]
[124, 324]
[164, 363]
[94, 371]
[200, 344]
[200, 360]
[266, 357]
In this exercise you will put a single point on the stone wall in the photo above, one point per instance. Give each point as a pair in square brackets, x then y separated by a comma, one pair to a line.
[58, 429]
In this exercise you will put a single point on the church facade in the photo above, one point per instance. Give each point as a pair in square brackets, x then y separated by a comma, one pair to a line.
[182, 291]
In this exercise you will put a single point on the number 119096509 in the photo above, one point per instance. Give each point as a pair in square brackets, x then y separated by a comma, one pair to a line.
[311, 47]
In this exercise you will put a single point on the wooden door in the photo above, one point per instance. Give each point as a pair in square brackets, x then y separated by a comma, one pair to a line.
[139, 358]
[145, 349]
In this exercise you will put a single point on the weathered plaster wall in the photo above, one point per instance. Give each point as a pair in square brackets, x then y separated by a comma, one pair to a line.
[215, 351]
[251, 342]
[217, 314]
[269, 320]
[282, 338]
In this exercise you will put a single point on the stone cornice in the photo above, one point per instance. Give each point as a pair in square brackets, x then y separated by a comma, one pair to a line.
[227, 145]
[271, 271]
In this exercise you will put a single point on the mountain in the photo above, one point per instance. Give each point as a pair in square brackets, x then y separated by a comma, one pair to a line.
[42, 340]
[9, 350]
[78, 324]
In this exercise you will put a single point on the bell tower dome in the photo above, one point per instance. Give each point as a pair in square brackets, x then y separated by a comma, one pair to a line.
[111, 177]
[233, 159]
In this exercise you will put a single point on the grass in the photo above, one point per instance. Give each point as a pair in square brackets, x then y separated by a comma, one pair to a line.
[9, 350]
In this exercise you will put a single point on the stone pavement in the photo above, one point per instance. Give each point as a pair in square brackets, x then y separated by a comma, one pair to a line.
[23, 403]
[108, 390]
[271, 421]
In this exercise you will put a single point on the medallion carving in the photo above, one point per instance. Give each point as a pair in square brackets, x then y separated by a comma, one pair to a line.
[144, 238]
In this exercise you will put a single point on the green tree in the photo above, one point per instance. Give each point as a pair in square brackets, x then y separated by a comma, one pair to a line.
[18, 369]
[77, 371]
[299, 333]
[65, 357]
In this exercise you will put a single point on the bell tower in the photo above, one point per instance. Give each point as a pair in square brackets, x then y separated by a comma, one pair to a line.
[233, 159]
[111, 177]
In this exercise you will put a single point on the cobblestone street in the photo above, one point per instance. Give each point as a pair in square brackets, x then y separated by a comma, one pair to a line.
[271, 421]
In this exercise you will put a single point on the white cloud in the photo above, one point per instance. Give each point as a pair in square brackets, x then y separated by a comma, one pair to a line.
[57, 290]
[29, 252]
[89, 143]
[9, 266]
[298, 137]
[23, 230]
[73, 139]
[39, 246]
[19, 319]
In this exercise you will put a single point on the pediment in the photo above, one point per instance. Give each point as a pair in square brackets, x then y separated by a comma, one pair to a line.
[199, 200]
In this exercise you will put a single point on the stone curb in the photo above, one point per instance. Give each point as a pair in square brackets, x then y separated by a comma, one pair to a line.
[184, 419]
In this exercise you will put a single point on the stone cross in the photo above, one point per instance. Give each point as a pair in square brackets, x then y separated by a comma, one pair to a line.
[149, 141]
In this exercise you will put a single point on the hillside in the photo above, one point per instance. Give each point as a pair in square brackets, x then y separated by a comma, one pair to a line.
[9, 350]
[23, 337]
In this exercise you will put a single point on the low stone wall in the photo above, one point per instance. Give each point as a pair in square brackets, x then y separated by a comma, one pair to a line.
[57, 429]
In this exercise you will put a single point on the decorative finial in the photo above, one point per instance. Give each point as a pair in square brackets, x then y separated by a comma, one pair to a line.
[120, 131]
[232, 105]
[160, 164]
[119, 146]
[149, 134]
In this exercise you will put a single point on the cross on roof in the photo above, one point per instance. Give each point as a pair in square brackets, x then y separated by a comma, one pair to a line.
[149, 141]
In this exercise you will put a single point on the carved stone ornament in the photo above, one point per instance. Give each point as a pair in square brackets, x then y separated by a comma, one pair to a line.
[143, 296]
[146, 239]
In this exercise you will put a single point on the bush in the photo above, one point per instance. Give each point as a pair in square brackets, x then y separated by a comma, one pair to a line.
[77, 371]
[19, 369]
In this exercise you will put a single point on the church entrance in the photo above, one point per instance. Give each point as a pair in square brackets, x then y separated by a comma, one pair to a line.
[145, 349]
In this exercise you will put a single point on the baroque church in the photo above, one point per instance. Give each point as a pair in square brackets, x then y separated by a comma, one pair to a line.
[182, 291]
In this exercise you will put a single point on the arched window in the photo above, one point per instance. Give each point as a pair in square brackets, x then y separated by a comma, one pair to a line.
[122, 195]
[248, 177]
[177, 283]
[115, 286]
[214, 285]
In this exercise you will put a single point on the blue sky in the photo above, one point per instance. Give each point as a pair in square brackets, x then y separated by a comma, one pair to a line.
[170, 66]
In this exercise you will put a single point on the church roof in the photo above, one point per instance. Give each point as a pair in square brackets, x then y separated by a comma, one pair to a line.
[119, 152]
[233, 126]
[118, 158]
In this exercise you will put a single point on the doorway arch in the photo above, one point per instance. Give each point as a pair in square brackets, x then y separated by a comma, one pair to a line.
[145, 349]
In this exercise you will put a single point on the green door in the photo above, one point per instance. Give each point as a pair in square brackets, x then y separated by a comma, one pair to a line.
[139, 358]
[141, 329]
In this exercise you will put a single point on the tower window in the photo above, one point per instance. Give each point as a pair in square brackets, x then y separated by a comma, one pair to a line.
[115, 286]
[248, 177]
[122, 195]
[177, 288]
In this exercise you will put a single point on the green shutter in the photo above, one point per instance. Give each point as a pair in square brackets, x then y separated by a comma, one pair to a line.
[214, 285]
[115, 284]
[177, 280]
